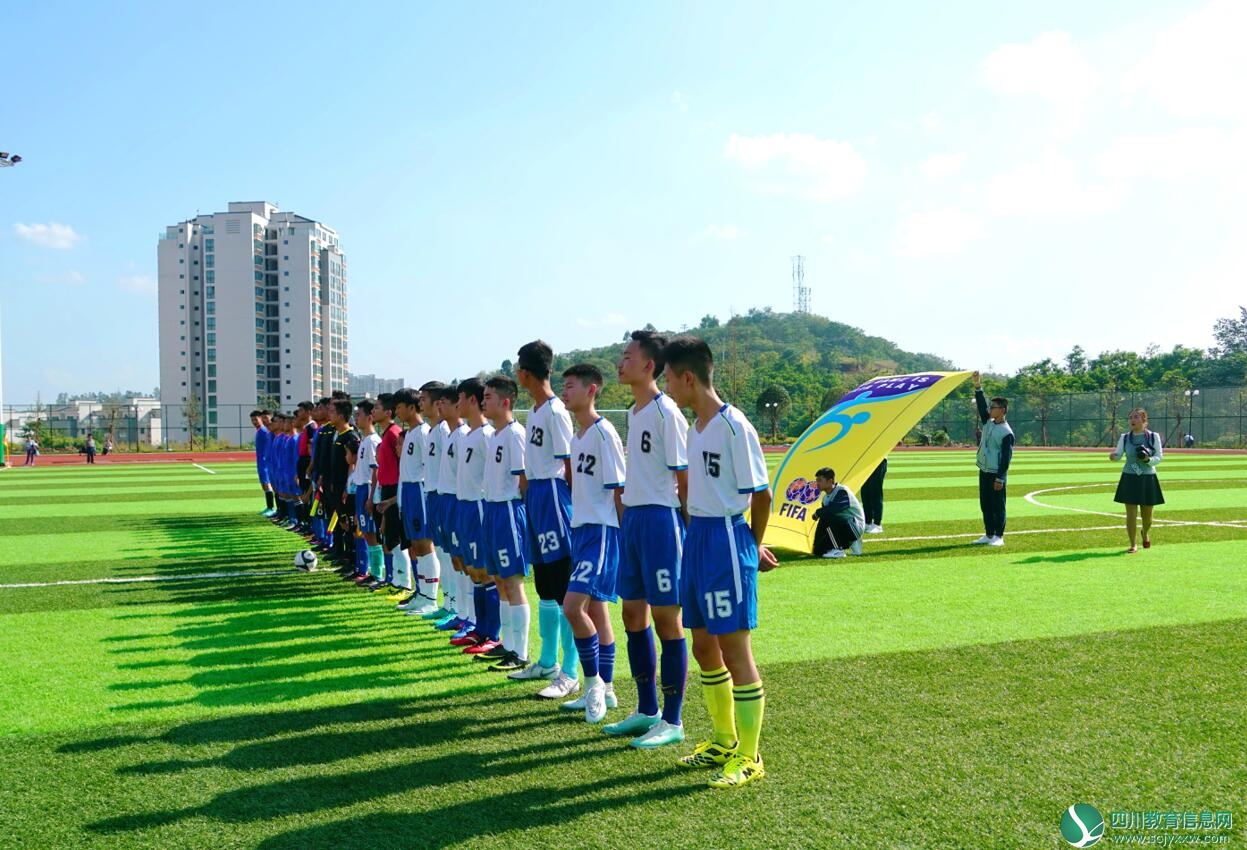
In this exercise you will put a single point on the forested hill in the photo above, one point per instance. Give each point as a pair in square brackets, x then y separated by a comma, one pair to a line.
[813, 359]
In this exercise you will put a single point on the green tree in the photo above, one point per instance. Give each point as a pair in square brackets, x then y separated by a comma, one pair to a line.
[193, 414]
[1231, 334]
[708, 322]
[773, 402]
[1043, 384]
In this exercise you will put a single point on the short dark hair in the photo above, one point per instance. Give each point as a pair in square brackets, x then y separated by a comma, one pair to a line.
[651, 344]
[305, 405]
[432, 388]
[340, 395]
[504, 386]
[690, 354]
[449, 393]
[473, 388]
[386, 402]
[342, 407]
[586, 372]
[324, 402]
[536, 357]
[826, 472]
[1001, 402]
[366, 406]
[255, 413]
[406, 396]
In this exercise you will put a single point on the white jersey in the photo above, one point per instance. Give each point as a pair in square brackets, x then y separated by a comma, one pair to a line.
[549, 441]
[597, 471]
[448, 478]
[657, 436]
[433, 450]
[471, 448]
[411, 461]
[504, 463]
[365, 460]
[726, 466]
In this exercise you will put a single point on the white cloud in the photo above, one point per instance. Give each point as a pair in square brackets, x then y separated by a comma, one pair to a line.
[1182, 155]
[936, 233]
[931, 122]
[679, 101]
[941, 165]
[800, 164]
[140, 284]
[1049, 67]
[51, 235]
[1198, 67]
[722, 231]
[608, 320]
[1049, 187]
[75, 277]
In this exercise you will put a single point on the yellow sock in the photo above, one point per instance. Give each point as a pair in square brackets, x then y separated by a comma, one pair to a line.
[750, 705]
[718, 693]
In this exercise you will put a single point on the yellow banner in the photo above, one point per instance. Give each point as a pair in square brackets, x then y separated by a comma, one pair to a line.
[852, 438]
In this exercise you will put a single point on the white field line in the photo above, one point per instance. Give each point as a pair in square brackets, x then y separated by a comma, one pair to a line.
[204, 468]
[1030, 497]
[139, 579]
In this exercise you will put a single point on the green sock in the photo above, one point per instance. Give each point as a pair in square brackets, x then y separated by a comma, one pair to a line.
[750, 705]
[717, 685]
[376, 562]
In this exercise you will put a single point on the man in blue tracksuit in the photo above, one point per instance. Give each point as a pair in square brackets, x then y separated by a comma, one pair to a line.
[262, 440]
[995, 452]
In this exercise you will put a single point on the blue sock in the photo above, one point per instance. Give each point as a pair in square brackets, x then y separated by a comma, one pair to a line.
[548, 615]
[587, 649]
[389, 567]
[674, 677]
[568, 641]
[606, 662]
[495, 615]
[482, 608]
[644, 665]
[361, 555]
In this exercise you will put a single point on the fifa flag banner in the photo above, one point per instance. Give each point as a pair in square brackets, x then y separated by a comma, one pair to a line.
[852, 438]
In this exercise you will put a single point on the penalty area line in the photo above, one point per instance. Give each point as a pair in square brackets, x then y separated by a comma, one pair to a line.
[143, 579]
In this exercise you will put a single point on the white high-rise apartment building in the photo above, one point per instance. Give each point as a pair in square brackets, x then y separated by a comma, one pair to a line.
[252, 310]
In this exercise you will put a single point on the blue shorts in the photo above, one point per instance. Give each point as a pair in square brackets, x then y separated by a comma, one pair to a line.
[433, 517]
[651, 542]
[469, 527]
[363, 518]
[719, 575]
[262, 473]
[549, 504]
[506, 539]
[595, 561]
[414, 511]
[447, 510]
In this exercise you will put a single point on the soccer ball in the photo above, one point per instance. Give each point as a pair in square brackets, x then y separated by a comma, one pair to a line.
[305, 560]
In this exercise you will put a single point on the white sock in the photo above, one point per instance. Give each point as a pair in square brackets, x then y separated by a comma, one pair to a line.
[469, 598]
[402, 568]
[521, 617]
[430, 573]
[504, 624]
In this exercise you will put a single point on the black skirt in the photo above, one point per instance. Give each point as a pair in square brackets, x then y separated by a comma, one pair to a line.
[1135, 489]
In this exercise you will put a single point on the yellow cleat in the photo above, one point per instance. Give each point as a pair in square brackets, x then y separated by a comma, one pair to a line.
[708, 754]
[739, 770]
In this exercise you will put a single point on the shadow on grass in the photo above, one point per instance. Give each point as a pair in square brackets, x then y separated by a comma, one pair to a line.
[1071, 557]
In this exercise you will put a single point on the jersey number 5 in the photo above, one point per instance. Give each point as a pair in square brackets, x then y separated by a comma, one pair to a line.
[711, 461]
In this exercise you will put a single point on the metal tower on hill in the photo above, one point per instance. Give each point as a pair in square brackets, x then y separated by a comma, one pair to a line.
[800, 292]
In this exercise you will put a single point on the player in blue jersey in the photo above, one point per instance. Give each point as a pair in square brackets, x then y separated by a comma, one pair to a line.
[652, 543]
[723, 554]
[597, 482]
[262, 440]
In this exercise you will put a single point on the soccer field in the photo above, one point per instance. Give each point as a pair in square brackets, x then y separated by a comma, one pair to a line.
[170, 682]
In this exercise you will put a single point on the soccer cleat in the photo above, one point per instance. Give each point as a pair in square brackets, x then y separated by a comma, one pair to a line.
[421, 611]
[707, 754]
[634, 724]
[982, 541]
[510, 664]
[449, 623]
[494, 655]
[562, 686]
[856, 548]
[536, 671]
[467, 636]
[407, 603]
[608, 699]
[595, 704]
[739, 770]
[481, 648]
[437, 614]
[834, 553]
[996, 541]
[660, 734]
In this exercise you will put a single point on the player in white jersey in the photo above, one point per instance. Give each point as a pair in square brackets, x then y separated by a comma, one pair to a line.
[505, 528]
[448, 488]
[413, 506]
[548, 500]
[597, 479]
[651, 545]
[361, 479]
[722, 557]
[471, 449]
[439, 432]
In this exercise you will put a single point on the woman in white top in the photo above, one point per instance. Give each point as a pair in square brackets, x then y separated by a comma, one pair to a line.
[1139, 488]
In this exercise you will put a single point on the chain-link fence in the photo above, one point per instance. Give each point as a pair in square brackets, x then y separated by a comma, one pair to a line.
[1214, 418]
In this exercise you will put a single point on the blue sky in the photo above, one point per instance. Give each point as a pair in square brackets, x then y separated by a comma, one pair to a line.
[991, 183]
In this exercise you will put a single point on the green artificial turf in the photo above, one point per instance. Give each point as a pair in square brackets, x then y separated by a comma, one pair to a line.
[927, 694]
